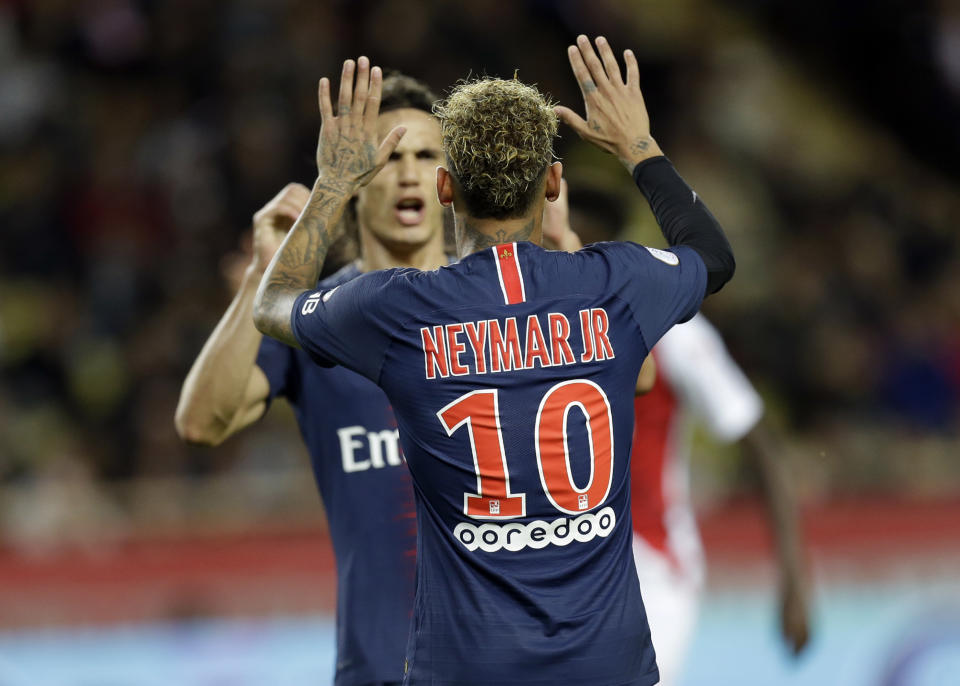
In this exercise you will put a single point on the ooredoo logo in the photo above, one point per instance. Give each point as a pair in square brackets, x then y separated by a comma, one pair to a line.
[537, 534]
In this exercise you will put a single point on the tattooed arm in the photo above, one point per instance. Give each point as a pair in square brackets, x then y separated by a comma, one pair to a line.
[296, 265]
[347, 158]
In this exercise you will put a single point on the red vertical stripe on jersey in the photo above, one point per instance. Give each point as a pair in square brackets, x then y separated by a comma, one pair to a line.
[508, 271]
[654, 415]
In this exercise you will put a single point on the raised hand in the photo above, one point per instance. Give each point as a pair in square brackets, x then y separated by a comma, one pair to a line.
[273, 220]
[349, 154]
[617, 119]
[348, 150]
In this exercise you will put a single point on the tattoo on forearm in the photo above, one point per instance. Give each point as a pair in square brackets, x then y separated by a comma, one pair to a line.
[480, 240]
[297, 264]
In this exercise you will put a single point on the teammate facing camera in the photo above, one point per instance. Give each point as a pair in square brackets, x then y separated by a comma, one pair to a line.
[512, 373]
[345, 420]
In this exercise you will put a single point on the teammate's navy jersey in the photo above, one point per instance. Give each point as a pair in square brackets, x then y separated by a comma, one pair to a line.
[351, 435]
[512, 376]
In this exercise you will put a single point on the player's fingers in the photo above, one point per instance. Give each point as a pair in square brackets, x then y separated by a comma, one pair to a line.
[801, 638]
[288, 205]
[610, 65]
[346, 88]
[797, 640]
[363, 85]
[323, 97]
[294, 191]
[288, 214]
[388, 145]
[295, 206]
[571, 119]
[633, 71]
[587, 85]
[795, 628]
[592, 61]
[291, 208]
[295, 187]
[372, 110]
[299, 194]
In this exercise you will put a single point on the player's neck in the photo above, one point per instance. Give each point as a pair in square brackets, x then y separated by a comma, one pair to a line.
[475, 234]
[376, 255]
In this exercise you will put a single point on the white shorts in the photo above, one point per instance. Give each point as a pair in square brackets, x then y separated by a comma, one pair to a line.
[672, 600]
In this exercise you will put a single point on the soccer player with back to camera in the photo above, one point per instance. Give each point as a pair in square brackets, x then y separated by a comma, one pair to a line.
[345, 420]
[511, 373]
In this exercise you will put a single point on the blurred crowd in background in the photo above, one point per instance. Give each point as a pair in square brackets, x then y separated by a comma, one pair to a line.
[138, 137]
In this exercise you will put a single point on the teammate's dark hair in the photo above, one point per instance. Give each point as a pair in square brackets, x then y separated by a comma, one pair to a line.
[405, 92]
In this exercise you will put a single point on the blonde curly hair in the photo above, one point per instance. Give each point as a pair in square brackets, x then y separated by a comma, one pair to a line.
[498, 138]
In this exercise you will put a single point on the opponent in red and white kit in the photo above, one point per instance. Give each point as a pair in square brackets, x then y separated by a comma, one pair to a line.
[696, 380]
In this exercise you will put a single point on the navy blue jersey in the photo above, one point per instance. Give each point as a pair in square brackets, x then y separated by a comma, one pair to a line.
[512, 378]
[351, 435]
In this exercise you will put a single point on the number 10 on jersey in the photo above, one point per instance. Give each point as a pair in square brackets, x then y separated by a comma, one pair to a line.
[479, 411]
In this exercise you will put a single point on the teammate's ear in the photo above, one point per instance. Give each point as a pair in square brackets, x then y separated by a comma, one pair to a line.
[444, 187]
[554, 179]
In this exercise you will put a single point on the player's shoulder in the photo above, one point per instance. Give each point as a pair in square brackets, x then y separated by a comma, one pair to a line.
[628, 250]
[385, 293]
[607, 264]
[365, 282]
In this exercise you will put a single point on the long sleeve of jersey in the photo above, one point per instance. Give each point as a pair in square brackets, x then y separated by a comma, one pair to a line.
[684, 219]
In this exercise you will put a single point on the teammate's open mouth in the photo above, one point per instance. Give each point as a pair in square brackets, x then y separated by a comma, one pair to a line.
[409, 211]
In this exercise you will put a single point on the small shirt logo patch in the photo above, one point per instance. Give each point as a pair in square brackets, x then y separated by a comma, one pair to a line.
[310, 304]
[328, 294]
[506, 254]
[665, 257]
